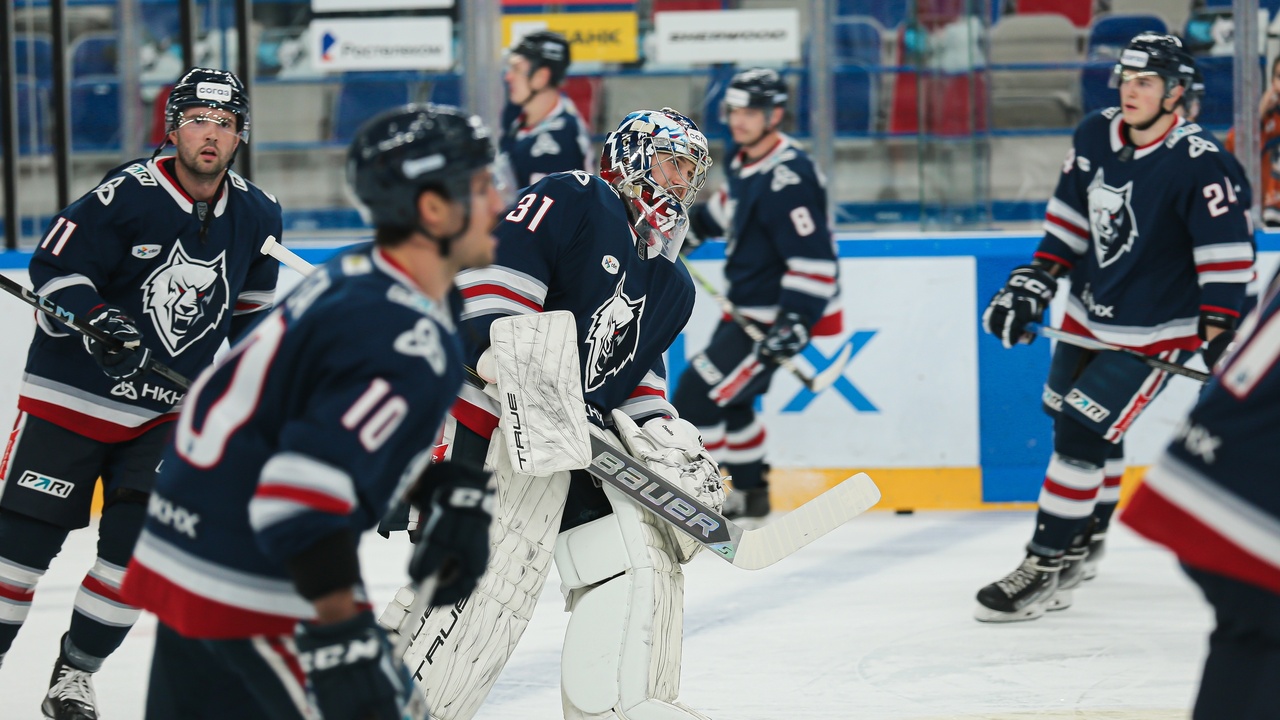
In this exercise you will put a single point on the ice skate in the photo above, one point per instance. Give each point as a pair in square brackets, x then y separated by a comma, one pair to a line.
[1022, 594]
[751, 503]
[70, 695]
[1097, 550]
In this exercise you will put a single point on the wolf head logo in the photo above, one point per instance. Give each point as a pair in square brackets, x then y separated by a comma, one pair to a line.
[1111, 219]
[186, 298]
[613, 337]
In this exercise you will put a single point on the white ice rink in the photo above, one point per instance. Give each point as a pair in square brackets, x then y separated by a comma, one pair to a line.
[873, 622]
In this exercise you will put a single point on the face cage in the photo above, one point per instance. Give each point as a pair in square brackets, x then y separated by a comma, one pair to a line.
[700, 158]
[176, 120]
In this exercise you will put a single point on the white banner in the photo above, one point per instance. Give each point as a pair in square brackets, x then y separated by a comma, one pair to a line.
[323, 6]
[727, 36]
[400, 43]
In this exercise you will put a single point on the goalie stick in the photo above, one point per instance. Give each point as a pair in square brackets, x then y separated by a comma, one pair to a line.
[68, 318]
[748, 549]
[815, 384]
[1092, 344]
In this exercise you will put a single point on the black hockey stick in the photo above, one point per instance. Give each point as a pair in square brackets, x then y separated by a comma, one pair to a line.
[68, 318]
[748, 549]
[815, 384]
[1092, 344]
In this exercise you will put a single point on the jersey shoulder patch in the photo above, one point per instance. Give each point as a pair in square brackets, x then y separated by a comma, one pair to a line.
[124, 181]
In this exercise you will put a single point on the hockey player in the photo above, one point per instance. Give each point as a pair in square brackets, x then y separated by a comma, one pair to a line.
[1149, 222]
[164, 256]
[293, 444]
[605, 249]
[1213, 500]
[542, 132]
[781, 269]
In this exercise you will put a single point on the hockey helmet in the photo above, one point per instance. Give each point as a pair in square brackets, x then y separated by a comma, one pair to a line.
[401, 152]
[545, 49]
[755, 88]
[207, 87]
[630, 158]
[1156, 54]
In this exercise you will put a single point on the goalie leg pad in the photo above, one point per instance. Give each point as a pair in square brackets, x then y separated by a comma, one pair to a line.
[457, 652]
[621, 655]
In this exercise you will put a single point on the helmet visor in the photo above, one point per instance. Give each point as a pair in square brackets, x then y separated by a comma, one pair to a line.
[207, 121]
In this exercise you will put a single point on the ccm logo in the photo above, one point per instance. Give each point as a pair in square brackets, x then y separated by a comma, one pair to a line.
[213, 91]
[45, 484]
[1030, 284]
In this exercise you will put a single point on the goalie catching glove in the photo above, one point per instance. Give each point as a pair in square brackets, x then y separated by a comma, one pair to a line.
[672, 448]
[453, 535]
[1020, 302]
[120, 363]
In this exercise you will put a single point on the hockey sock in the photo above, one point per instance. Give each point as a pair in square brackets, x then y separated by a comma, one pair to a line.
[743, 455]
[27, 546]
[1109, 495]
[101, 619]
[1066, 503]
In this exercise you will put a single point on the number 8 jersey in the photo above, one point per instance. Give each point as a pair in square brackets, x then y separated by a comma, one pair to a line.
[1153, 235]
[308, 426]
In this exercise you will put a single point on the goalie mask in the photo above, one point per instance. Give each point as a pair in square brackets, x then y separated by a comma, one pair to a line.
[641, 160]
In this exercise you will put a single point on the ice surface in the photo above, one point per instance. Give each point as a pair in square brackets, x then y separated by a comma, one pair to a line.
[872, 622]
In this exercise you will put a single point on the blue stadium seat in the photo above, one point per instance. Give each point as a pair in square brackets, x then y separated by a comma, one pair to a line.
[858, 41]
[447, 90]
[1109, 35]
[94, 54]
[1095, 90]
[33, 116]
[359, 100]
[854, 100]
[95, 114]
[889, 13]
[34, 57]
[1219, 94]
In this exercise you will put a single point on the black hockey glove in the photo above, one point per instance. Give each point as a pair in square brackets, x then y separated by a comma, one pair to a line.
[353, 673]
[125, 362]
[1020, 302]
[788, 336]
[1217, 347]
[453, 535]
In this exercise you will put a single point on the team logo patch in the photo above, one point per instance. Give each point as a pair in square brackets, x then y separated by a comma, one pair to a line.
[610, 264]
[613, 337]
[45, 484]
[1087, 406]
[186, 298]
[1111, 219]
[146, 252]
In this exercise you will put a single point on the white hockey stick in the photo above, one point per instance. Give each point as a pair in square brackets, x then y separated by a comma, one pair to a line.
[748, 549]
[416, 610]
[1092, 344]
[815, 384]
[272, 247]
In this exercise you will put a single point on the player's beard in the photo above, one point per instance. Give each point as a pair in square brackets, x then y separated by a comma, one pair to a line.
[190, 159]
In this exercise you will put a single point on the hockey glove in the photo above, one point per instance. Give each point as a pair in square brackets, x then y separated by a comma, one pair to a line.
[125, 362]
[353, 672]
[453, 537]
[1217, 347]
[1020, 302]
[788, 336]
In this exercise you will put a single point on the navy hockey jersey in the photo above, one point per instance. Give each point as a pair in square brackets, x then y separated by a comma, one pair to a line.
[560, 143]
[567, 244]
[781, 255]
[1212, 497]
[303, 429]
[135, 242]
[1152, 240]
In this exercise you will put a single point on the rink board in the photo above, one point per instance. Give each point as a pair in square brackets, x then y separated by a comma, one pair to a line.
[936, 411]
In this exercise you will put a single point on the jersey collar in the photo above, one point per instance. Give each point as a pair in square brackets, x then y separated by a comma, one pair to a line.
[557, 110]
[162, 170]
[425, 304]
[765, 163]
[1118, 141]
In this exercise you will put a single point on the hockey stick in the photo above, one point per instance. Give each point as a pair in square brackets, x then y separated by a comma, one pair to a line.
[286, 256]
[748, 549]
[1092, 344]
[815, 384]
[417, 609]
[68, 318]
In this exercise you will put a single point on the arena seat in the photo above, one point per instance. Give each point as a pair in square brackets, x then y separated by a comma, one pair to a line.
[1110, 34]
[360, 99]
[95, 114]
